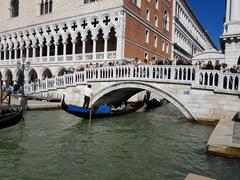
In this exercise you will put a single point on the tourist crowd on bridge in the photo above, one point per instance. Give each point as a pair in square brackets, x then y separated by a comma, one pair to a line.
[136, 62]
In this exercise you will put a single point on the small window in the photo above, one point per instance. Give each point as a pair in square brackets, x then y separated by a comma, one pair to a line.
[156, 4]
[155, 41]
[167, 48]
[148, 14]
[156, 21]
[163, 46]
[166, 20]
[145, 56]
[147, 36]
[14, 8]
[137, 2]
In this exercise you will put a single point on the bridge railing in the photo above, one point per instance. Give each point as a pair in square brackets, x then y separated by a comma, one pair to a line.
[192, 75]
[175, 74]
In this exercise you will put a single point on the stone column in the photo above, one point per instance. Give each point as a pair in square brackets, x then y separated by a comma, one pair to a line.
[15, 52]
[228, 10]
[41, 50]
[34, 51]
[94, 47]
[64, 37]
[27, 52]
[64, 51]
[235, 12]
[10, 53]
[74, 50]
[5, 54]
[105, 47]
[84, 49]
[56, 50]
[56, 43]
[21, 52]
[48, 51]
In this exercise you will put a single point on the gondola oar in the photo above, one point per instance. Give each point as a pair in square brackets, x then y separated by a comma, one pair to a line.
[90, 113]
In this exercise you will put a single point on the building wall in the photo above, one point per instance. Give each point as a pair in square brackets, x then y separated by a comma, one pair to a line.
[29, 11]
[136, 25]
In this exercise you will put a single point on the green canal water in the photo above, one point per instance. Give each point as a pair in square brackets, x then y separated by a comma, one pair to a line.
[158, 145]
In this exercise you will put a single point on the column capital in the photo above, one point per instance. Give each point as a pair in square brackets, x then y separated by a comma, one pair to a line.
[106, 36]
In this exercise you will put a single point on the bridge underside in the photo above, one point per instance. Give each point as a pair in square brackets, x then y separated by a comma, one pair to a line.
[116, 97]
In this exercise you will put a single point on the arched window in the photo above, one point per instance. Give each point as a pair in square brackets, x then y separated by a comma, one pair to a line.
[46, 7]
[14, 8]
[166, 20]
[50, 6]
[238, 63]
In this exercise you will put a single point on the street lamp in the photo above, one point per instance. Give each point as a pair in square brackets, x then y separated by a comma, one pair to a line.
[22, 67]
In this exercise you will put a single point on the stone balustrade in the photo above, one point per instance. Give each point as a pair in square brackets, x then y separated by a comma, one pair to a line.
[61, 59]
[216, 81]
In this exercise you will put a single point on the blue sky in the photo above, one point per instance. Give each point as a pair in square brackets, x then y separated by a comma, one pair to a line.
[210, 13]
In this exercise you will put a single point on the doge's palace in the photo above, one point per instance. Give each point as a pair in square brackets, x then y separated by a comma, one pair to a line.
[55, 35]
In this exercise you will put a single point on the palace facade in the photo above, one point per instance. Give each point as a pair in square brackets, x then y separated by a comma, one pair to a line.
[54, 35]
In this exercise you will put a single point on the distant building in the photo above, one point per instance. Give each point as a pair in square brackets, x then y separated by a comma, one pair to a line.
[56, 35]
[230, 39]
[189, 36]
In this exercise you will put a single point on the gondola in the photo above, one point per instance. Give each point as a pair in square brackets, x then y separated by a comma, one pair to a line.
[84, 112]
[153, 103]
[10, 117]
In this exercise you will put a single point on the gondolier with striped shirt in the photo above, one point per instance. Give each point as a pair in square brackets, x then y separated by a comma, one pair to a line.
[87, 95]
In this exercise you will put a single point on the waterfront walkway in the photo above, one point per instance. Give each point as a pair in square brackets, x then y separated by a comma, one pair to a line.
[225, 139]
[197, 177]
[38, 105]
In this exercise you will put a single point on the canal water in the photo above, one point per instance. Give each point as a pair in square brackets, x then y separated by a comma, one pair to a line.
[157, 145]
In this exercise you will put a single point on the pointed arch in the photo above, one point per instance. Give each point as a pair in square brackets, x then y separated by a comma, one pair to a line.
[78, 43]
[112, 41]
[89, 42]
[14, 7]
[100, 41]
[60, 71]
[45, 73]
[8, 77]
[32, 75]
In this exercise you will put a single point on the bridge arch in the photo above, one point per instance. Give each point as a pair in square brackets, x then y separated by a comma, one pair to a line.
[122, 91]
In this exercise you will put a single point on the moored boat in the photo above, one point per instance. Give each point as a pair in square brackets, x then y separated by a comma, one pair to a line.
[10, 117]
[85, 113]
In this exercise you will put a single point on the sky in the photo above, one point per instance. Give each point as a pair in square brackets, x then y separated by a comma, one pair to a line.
[210, 13]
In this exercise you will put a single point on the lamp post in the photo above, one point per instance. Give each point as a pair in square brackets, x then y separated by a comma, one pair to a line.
[22, 67]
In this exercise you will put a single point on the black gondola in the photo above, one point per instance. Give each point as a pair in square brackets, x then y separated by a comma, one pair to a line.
[84, 112]
[10, 117]
[153, 103]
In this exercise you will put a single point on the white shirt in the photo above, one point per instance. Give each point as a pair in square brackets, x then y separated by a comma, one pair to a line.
[87, 91]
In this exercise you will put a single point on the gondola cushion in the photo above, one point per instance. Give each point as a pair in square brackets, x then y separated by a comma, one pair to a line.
[77, 109]
[103, 109]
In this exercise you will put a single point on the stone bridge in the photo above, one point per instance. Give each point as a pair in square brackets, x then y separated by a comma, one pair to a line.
[201, 95]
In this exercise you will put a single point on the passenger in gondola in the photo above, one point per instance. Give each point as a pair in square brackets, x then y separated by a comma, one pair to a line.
[123, 107]
[87, 95]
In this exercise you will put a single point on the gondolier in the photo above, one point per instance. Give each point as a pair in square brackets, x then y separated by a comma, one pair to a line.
[87, 95]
